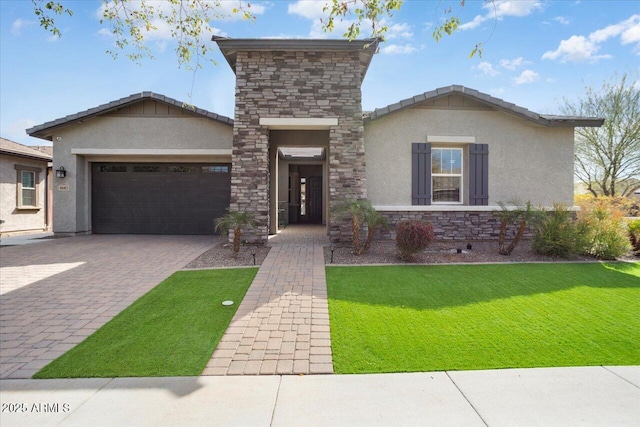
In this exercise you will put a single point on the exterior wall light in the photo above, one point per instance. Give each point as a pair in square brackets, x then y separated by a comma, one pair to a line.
[61, 173]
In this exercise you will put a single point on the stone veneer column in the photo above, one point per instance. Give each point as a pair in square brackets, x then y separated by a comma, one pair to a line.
[296, 84]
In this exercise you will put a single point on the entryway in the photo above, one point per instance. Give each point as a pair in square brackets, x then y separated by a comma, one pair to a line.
[298, 178]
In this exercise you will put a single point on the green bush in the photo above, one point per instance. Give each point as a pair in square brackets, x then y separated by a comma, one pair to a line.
[412, 237]
[634, 234]
[558, 235]
[608, 238]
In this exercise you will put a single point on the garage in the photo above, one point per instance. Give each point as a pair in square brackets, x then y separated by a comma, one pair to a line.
[158, 198]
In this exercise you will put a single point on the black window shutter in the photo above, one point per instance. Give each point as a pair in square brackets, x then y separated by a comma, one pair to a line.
[420, 173]
[479, 174]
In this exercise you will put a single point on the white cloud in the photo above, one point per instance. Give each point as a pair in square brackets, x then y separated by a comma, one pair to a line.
[226, 8]
[310, 9]
[621, 28]
[18, 25]
[526, 77]
[395, 49]
[223, 11]
[487, 69]
[161, 34]
[398, 31]
[313, 10]
[583, 49]
[501, 8]
[562, 20]
[473, 24]
[576, 49]
[512, 64]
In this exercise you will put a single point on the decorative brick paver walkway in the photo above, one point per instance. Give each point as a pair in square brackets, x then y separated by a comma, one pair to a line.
[282, 325]
[56, 293]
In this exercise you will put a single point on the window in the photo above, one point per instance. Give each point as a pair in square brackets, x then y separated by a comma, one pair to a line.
[215, 169]
[446, 175]
[438, 175]
[146, 168]
[182, 168]
[27, 183]
[113, 168]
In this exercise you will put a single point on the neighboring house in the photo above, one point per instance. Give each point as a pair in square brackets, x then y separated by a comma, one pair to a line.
[25, 182]
[299, 144]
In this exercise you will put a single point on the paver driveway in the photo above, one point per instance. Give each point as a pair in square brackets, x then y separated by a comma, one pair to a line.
[56, 293]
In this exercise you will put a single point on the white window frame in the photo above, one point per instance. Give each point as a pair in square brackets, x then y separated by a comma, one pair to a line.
[448, 175]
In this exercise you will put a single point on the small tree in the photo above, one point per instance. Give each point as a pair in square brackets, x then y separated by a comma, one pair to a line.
[521, 216]
[355, 210]
[374, 220]
[235, 221]
[360, 212]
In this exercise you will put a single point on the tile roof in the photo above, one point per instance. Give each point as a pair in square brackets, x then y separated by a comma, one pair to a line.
[13, 148]
[497, 103]
[40, 131]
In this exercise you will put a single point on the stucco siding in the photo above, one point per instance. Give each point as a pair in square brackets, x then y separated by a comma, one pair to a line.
[17, 220]
[526, 161]
[149, 133]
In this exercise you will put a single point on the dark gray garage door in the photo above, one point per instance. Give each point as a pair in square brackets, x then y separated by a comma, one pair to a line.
[159, 198]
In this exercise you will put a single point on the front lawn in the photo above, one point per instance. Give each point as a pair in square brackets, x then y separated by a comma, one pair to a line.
[434, 318]
[170, 331]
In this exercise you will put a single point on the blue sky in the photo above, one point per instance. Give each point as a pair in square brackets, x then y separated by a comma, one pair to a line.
[535, 53]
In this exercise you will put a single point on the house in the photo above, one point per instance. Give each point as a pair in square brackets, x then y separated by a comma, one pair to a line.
[25, 188]
[300, 143]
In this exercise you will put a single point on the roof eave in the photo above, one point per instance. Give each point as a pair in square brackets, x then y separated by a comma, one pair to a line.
[44, 158]
[496, 103]
[43, 131]
[230, 47]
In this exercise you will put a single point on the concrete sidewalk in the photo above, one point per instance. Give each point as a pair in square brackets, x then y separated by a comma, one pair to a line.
[25, 239]
[545, 396]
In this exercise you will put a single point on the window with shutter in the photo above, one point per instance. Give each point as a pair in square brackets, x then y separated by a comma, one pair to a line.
[478, 174]
[420, 173]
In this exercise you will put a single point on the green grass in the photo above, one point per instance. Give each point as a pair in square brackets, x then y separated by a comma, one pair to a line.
[170, 331]
[434, 318]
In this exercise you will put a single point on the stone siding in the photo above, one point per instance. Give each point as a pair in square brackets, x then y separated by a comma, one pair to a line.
[453, 225]
[296, 84]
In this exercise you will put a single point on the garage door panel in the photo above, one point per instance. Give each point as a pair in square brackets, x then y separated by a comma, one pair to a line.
[159, 198]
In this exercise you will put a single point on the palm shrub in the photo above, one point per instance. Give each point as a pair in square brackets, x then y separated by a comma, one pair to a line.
[558, 235]
[374, 220]
[413, 236]
[234, 220]
[359, 211]
[520, 216]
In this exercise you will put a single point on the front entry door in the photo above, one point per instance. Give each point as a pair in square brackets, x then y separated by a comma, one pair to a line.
[314, 199]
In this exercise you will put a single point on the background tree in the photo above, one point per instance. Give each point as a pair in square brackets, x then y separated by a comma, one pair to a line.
[607, 159]
[131, 22]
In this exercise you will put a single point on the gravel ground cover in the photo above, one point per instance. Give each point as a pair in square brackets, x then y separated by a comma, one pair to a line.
[385, 252]
[221, 255]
